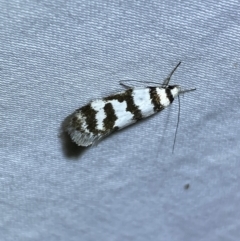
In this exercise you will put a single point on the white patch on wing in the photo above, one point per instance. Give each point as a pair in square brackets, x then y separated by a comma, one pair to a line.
[124, 117]
[98, 106]
[142, 100]
[163, 97]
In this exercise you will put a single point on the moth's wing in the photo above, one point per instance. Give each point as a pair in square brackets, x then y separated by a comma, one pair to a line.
[76, 127]
[81, 138]
[79, 135]
[100, 137]
[86, 139]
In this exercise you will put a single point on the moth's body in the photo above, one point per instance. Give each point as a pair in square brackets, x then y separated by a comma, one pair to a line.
[101, 117]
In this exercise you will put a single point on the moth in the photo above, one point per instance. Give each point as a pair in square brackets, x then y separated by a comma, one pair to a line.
[94, 121]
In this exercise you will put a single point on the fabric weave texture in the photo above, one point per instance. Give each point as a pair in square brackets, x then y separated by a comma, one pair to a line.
[56, 56]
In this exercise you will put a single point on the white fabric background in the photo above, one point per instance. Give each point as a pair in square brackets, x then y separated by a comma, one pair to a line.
[55, 56]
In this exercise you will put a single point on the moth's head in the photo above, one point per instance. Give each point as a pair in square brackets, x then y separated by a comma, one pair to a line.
[175, 90]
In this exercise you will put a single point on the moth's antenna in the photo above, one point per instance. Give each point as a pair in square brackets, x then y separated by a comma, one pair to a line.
[166, 81]
[175, 137]
[181, 92]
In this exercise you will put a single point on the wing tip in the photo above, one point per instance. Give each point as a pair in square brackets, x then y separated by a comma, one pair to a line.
[82, 139]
